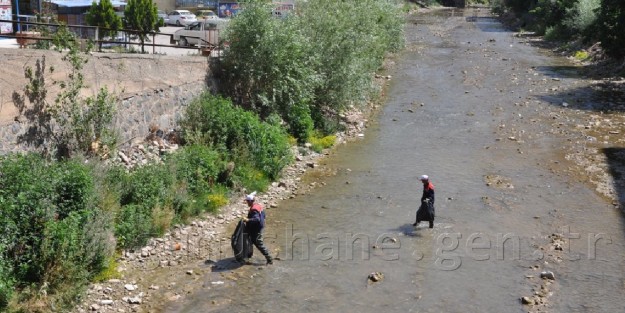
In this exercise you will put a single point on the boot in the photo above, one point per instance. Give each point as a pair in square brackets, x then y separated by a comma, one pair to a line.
[269, 259]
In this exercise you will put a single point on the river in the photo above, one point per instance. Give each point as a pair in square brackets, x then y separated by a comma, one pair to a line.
[467, 106]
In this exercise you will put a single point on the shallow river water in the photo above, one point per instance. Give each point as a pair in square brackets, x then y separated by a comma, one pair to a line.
[453, 112]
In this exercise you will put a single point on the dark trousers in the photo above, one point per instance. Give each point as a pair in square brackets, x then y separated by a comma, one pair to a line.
[257, 240]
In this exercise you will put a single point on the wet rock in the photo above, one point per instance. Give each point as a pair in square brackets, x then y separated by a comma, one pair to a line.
[376, 277]
[134, 300]
[547, 275]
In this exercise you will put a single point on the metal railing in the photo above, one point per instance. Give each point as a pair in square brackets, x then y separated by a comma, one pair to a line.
[124, 37]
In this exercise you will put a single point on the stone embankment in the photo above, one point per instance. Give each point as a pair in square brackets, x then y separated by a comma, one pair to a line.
[151, 89]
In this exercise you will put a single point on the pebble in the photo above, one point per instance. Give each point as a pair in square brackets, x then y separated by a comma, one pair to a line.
[547, 275]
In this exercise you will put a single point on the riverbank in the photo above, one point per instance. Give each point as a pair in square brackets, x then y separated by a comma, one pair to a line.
[161, 271]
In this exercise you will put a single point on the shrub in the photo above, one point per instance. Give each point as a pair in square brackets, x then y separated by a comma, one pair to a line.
[134, 226]
[582, 15]
[268, 64]
[300, 121]
[318, 144]
[349, 45]
[6, 279]
[54, 234]
[199, 166]
[143, 191]
[214, 121]
[610, 27]
[246, 176]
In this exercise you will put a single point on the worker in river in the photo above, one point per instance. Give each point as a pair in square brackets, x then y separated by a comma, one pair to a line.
[255, 223]
[426, 210]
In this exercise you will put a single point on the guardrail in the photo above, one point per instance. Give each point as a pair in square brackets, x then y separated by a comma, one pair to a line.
[91, 33]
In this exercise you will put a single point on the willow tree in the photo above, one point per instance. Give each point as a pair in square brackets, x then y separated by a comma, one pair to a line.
[103, 15]
[142, 17]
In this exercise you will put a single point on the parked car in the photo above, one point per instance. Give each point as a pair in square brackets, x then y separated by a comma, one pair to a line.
[201, 33]
[162, 14]
[205, 15]
[181, 17]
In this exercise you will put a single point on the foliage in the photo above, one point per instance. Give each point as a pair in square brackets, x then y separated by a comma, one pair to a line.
[109, 270]
[610, 27]
[312, 64]
[581, 55]
[582, 15]
[320, 143]
[348, 46]
[71, 124]
[216, 122]
[102, 14]
[141, 16]
[588, 20]
[81, 122]
[52, 231]
[199, 166]
[268, 64]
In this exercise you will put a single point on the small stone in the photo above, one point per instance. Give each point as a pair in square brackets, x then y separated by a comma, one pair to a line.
[106, 302]
[134, 300]
[190, 272]
[527, 300]
[130, 287]
[548, 275]
[94, 307]
[376, 277]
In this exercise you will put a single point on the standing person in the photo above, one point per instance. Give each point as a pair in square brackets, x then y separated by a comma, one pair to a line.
[426, 210]
[254, 224]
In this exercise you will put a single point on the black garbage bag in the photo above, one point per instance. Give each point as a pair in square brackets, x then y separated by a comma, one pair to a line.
[425, 212]
[241, 244]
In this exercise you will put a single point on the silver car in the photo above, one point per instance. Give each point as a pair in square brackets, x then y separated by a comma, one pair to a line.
[181, 17]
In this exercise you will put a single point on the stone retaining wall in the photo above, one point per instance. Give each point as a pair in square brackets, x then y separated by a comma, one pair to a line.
[134, 115]
[154, 89]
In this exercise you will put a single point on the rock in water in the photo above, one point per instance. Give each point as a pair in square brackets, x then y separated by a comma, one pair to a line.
[376, 277]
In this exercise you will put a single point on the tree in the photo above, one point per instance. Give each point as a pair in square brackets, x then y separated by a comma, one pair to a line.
[141, 16]
[103, 15]
[611, 27]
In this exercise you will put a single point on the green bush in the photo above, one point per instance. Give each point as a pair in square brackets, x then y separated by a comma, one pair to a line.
[348, 45]
[214, 121]
[53, 233]
[143, 191]
[322, 58]
[199, 166]
[320, 143]
[610, 27]
[6, 279]
[300, 121]
[268, 64]
[133, 227]
[246, 176]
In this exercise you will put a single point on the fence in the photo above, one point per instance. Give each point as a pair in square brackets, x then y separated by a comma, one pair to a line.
[32, 32]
